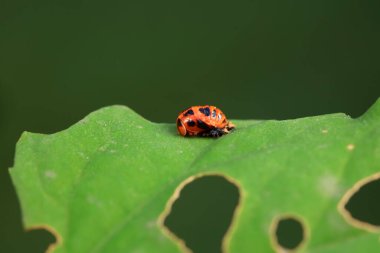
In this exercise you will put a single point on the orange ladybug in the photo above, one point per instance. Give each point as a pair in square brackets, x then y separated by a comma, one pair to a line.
[204, 120]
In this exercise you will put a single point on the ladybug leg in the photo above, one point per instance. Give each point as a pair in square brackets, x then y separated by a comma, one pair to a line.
[230, 126]
[215, 132]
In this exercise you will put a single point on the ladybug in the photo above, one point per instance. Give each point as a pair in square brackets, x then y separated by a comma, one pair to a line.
[204, 120]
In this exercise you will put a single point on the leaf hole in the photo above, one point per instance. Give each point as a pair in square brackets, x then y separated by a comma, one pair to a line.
[288, 234]
[44, 237]
[360, 205]
[203, 212]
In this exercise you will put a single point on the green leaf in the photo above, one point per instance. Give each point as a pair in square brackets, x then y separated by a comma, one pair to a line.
[104, 184]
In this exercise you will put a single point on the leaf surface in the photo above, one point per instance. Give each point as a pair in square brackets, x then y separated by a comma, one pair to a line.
[102, 184]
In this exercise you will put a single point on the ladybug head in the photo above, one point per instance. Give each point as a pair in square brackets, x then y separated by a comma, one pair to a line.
[181, 128]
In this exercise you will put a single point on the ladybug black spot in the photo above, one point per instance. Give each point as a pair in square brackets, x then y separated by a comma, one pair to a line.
[205, 111]
[189, 112]
[213, 113]
[190, 123]
[179, 122]
[202, 125]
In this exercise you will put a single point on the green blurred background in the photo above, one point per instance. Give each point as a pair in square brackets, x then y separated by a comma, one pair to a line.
[258, 59]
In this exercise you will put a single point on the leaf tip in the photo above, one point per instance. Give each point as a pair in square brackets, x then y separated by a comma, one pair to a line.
[373, 113]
